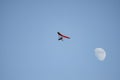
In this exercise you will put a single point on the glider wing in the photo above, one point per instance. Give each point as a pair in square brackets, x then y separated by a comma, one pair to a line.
[63, 35]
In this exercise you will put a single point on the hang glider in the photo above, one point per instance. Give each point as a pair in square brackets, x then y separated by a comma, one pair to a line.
[61, 36]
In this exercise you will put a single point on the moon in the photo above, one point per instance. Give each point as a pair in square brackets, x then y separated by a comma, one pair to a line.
[100, 54]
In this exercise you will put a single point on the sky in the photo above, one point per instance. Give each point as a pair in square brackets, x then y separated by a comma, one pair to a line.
[29, 46]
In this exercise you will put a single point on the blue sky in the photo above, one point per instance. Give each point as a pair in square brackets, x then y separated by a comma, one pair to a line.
[29, 49]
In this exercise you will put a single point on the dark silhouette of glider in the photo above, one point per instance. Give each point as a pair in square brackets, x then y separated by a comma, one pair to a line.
[61, 36]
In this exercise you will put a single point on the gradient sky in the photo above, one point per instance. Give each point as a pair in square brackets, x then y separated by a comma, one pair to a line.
[29, 49]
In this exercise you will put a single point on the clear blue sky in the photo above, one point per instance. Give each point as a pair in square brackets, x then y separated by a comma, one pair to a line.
[29, 49]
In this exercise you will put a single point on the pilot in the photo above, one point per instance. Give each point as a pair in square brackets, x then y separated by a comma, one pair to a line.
[60, 38]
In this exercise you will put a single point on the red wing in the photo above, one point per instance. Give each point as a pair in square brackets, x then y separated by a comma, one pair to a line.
[63, 35]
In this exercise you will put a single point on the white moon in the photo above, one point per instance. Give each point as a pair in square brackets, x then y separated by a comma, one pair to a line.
[100, 54]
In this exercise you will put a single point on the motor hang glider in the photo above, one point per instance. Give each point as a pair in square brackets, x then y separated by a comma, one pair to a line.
[61, 36]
